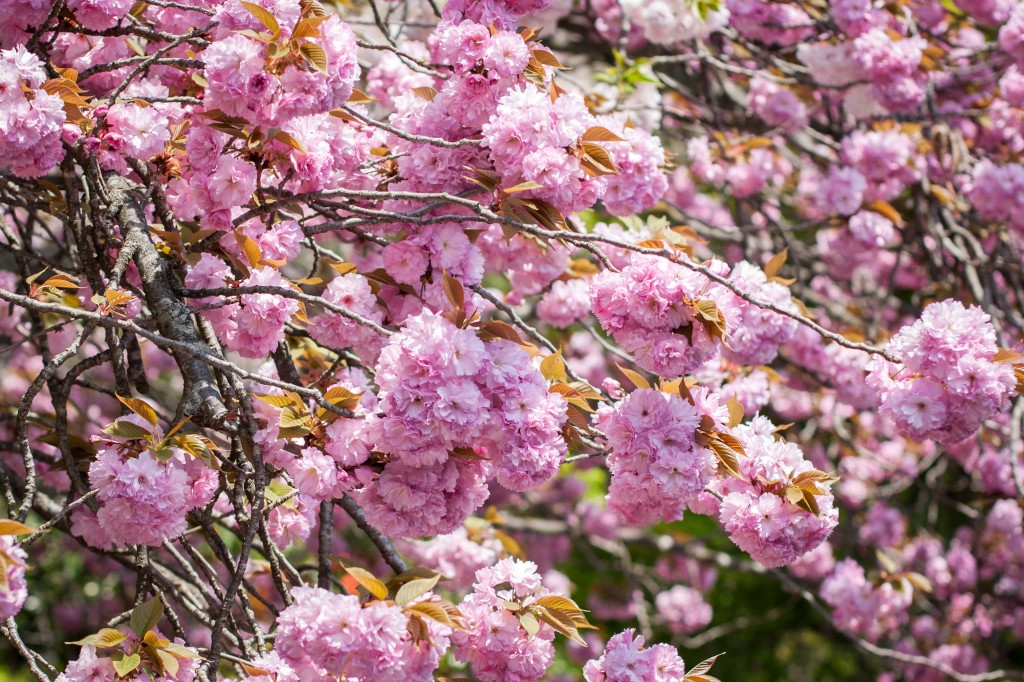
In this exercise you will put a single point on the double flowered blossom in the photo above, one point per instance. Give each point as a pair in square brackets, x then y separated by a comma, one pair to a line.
[863, 608]
[494, 640]
[668, 22]
[529, 139]
[995, 191]
[332, 329]
[640, 180]
[683, 609]
[657, 465]
[454, 408]
[892, 65]
[779, 507]
[671, 318]
[625, 659]
[13, 587]
[754, 332]
[947, 382]
[254, 326]
[456, 555]
[776, 105]
[325, 634]
[31, 119]
[247, 81]
[153, 486]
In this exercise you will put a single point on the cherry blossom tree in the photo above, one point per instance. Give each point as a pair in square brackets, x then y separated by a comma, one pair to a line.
[512, 340]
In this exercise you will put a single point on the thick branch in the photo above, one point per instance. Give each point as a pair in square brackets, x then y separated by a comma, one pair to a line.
[173, 317]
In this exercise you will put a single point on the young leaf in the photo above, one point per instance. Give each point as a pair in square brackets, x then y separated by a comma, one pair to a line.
[140, 407]
[703, 666]
[638, 379]
[775, 263]
[126, 430]
[600, 134]
[553, 368]
[166, 663]
[726, 457]
[145, 616]
[368, 581]
[735, 412]
[11, 527]
[523, 187]
[342, 397]
[263, 16]
[107, 638]
[432, 611]
[499, 330]
[426, 92]
[561, 622]
[414, 589]
[250, 249]
[126, 664]
[277, 400]
[548, 59]
[180, 651]
[343, 268]
[316, 56]
[454, 292]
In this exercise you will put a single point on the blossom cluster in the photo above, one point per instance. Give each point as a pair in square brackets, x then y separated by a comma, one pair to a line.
[863, 608]
[671, 318]
[326, 634]
[494, 640]
[780, 507]
[947, 381]
[657, 465]
[155, 492]
[454, 409]
[33, 118]
[626, 658]
[13, 587]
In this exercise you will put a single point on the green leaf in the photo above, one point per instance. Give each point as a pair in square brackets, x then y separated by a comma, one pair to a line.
[523, 187]
[126, 430]
[530, 624]
[952, 8]
[277, 490]
[414, 589]
[180, 651]
[145, 616]
[166, 661]
[107, 638]
[126, 664]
